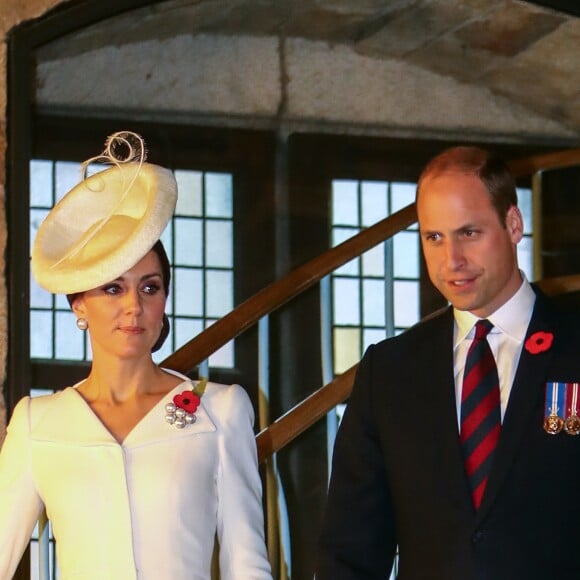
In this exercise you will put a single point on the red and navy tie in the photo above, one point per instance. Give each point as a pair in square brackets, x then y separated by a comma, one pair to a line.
[480, 411]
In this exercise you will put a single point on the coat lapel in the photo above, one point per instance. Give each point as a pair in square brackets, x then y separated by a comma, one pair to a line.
[153, 428]
[527, 392]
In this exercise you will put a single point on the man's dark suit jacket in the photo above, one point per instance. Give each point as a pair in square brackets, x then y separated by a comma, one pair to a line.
[398, 477]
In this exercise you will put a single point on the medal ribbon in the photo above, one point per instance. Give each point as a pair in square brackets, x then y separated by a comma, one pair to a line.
[572, 396]
[572, 423]
[555, 393]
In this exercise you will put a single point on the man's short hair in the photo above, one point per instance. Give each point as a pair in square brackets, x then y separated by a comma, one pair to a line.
[491, 169]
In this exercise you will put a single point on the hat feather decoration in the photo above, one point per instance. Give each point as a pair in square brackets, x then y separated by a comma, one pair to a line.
[103, 226]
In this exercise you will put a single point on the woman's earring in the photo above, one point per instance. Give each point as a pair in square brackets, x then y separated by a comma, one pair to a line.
[82, 323]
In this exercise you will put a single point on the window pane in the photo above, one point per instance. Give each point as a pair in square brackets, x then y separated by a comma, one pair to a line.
[374, 303]
[340, 235]
[189, 293]
[40, 183]
[67, 175]
[68, 338]
[36, 218]
[219, 292]
[346, 301]
[406, 299]
[189, 187]
[40, 334]
[188, 242]
[218, 195]
[402, 195]
[525, 205]
[526, 257]
[61, 302]
[219, 244]
[373, 261]
[185, 329]
[346, 348]
[166, 238]
[406, 255]
[345, 202]
[374, 202]
[224, 356]
[34, 558]
[39, 298]
[372, 336]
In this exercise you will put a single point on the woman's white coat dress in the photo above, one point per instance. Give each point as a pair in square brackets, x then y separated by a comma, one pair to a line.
[146, 509]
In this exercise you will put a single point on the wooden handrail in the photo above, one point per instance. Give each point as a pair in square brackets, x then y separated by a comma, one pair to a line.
[284, 289]
[545, 161]
[304, 414]
[559, 284]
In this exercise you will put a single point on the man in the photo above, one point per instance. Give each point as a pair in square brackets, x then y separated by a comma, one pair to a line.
[474, 480]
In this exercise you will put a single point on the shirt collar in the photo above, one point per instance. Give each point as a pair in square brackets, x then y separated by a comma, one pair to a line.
[511, 319]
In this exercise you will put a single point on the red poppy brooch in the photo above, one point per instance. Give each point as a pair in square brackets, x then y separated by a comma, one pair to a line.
[181, 411]
[539, 342]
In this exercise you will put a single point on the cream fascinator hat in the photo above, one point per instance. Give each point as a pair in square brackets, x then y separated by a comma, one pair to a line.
[103, 226]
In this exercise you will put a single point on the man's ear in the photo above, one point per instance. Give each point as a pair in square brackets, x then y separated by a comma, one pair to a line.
[514, 223]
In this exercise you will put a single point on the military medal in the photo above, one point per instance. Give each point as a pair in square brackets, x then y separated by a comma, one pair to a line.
[572, 423]
[553, 423]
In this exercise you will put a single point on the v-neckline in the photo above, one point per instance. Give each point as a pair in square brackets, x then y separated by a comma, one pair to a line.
[136, 426]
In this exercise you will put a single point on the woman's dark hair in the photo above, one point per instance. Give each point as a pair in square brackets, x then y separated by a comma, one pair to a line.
[166, 279]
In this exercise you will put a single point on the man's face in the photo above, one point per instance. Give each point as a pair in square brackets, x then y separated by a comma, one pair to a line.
[470, 254]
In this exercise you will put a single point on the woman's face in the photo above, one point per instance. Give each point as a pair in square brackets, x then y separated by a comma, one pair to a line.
[125, 315]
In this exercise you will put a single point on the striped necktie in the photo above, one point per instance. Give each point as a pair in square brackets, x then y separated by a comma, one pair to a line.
[480, 411]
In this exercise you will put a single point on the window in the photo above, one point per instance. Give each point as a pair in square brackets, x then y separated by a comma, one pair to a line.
[376, 295]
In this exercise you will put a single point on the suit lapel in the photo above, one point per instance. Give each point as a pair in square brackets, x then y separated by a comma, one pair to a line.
[527, 392]
[445, 429]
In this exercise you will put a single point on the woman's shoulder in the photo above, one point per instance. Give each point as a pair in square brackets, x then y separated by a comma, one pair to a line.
[39, 402]
[225, 403]
[223, 392]
[30, 410]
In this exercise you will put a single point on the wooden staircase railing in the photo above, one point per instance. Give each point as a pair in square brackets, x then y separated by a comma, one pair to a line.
[284, 289]
[298, 419]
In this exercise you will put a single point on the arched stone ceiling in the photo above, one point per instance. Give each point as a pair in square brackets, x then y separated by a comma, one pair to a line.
[521, 56]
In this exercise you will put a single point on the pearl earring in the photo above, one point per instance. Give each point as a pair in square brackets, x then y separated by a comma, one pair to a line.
[82, 323]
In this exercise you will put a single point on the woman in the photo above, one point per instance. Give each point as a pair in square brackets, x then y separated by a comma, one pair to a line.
[137, 466]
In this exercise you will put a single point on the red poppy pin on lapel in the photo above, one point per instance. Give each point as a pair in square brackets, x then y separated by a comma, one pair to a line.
[539, 342]
[181, 411]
